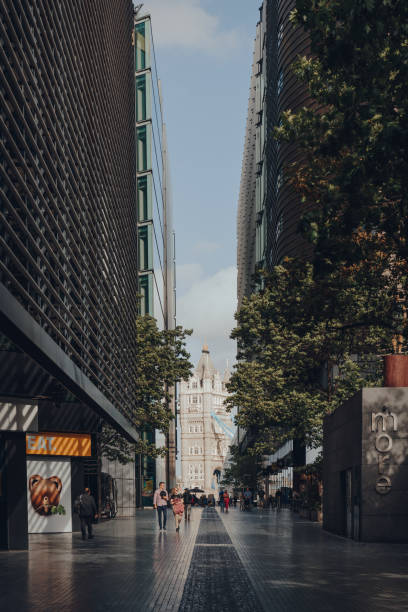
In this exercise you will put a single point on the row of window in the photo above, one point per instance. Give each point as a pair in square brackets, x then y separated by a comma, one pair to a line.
[195, 450]
[195, 429]
[198, 450]
[195, 468]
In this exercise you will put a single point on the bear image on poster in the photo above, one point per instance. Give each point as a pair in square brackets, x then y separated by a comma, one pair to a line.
[45, 494]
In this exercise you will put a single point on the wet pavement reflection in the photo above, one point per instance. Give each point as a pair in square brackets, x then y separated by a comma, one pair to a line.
[256, 560]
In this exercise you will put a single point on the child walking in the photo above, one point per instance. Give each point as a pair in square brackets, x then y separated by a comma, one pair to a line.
[177, 502]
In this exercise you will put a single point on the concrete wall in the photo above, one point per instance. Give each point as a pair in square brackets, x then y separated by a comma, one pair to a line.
[384, 508]
[341, 451]
[369, 436]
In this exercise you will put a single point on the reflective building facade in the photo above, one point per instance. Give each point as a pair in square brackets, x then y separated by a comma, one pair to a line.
[269, 210]
[68, 233]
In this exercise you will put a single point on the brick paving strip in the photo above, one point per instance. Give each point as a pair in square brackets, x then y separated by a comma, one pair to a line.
[217, 577]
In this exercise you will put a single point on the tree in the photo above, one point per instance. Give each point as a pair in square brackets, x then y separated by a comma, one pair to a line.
[352, 176]
[243, 470]
[286, 341]
[161, 361]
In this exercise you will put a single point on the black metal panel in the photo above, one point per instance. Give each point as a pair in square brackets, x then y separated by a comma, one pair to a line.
[67, 188]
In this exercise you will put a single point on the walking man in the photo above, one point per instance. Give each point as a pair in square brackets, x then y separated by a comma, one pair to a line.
[87, 511]
[160, 499]
[187, 498]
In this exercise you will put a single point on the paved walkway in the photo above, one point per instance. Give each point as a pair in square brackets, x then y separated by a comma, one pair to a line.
[240, 561]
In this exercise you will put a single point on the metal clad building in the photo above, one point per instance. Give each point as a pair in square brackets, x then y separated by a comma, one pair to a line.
[269, 210]
[68, 223]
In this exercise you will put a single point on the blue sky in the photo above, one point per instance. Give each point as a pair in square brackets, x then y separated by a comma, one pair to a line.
[204, 53]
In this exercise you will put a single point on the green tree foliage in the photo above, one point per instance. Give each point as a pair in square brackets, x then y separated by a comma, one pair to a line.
[296, 359]
[351, 173]
[243, 470]
[352, 176]
[161, 361]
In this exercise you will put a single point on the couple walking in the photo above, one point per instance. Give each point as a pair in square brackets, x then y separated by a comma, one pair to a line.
[161, 501]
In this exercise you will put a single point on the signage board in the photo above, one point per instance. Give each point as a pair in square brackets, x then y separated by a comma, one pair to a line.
[49, 495]
[61, 444]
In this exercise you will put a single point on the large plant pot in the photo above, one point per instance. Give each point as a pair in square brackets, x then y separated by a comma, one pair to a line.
[396, 370]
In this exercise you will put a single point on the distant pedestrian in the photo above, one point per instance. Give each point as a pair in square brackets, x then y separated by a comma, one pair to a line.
[247, 498]
[160, 499]
[221, 501]
[187, 499]
[226, 500]
[262, 498]
[278, 499]
[176, 500]
[241, 501]
[87, 512]
[235, 500]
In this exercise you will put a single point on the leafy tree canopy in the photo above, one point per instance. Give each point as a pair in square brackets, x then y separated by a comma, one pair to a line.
[161, 361]
[297, 353]
[353, 139]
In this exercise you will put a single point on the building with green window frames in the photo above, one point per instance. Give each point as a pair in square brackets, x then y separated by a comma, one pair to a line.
[155, 233]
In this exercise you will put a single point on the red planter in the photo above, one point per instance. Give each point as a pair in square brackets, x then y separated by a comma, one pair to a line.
[396, 371]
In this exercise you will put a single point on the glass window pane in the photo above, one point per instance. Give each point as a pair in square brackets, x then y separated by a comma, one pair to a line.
[144, 197]
[143, 148]
[141, 98]
[142, 51]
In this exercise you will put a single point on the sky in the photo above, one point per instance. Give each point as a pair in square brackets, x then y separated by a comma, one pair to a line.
[204, 53]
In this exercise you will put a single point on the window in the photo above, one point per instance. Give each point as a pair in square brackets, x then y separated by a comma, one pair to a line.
[144, 197]
[195, 429]
[195, 450]
[280, 34]
[142, 44]
[143, 150]
[146, 291]
[280, 81]
[141, 98]
[279, 226]
[195, 399]
[194, 385]
[279, 181]
[145, 248]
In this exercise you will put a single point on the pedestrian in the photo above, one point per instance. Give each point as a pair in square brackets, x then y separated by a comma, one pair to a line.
[87, 512]
[177, 503]
[235, 500]
[262, 498]
[247, 498]
[160, 499]
[187, 499]
[226, 500]
[241, 501]
[221, 500]
[278, 498]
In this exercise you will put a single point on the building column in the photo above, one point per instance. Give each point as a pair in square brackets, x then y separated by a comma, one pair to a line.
[13, 491]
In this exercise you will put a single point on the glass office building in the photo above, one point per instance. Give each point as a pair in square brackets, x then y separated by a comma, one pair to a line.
[154, 221]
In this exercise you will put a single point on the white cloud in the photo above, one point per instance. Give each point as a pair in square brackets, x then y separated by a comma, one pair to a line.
[208, 307]
[186, 275]
[186, 24]
[205, 246]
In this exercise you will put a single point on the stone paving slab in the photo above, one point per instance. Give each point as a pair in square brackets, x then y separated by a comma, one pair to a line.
[217, 579]
[295, 566]
[129, 566]
[236, 561]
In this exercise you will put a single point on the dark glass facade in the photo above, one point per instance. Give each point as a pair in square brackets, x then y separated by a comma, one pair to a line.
[68, 233]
